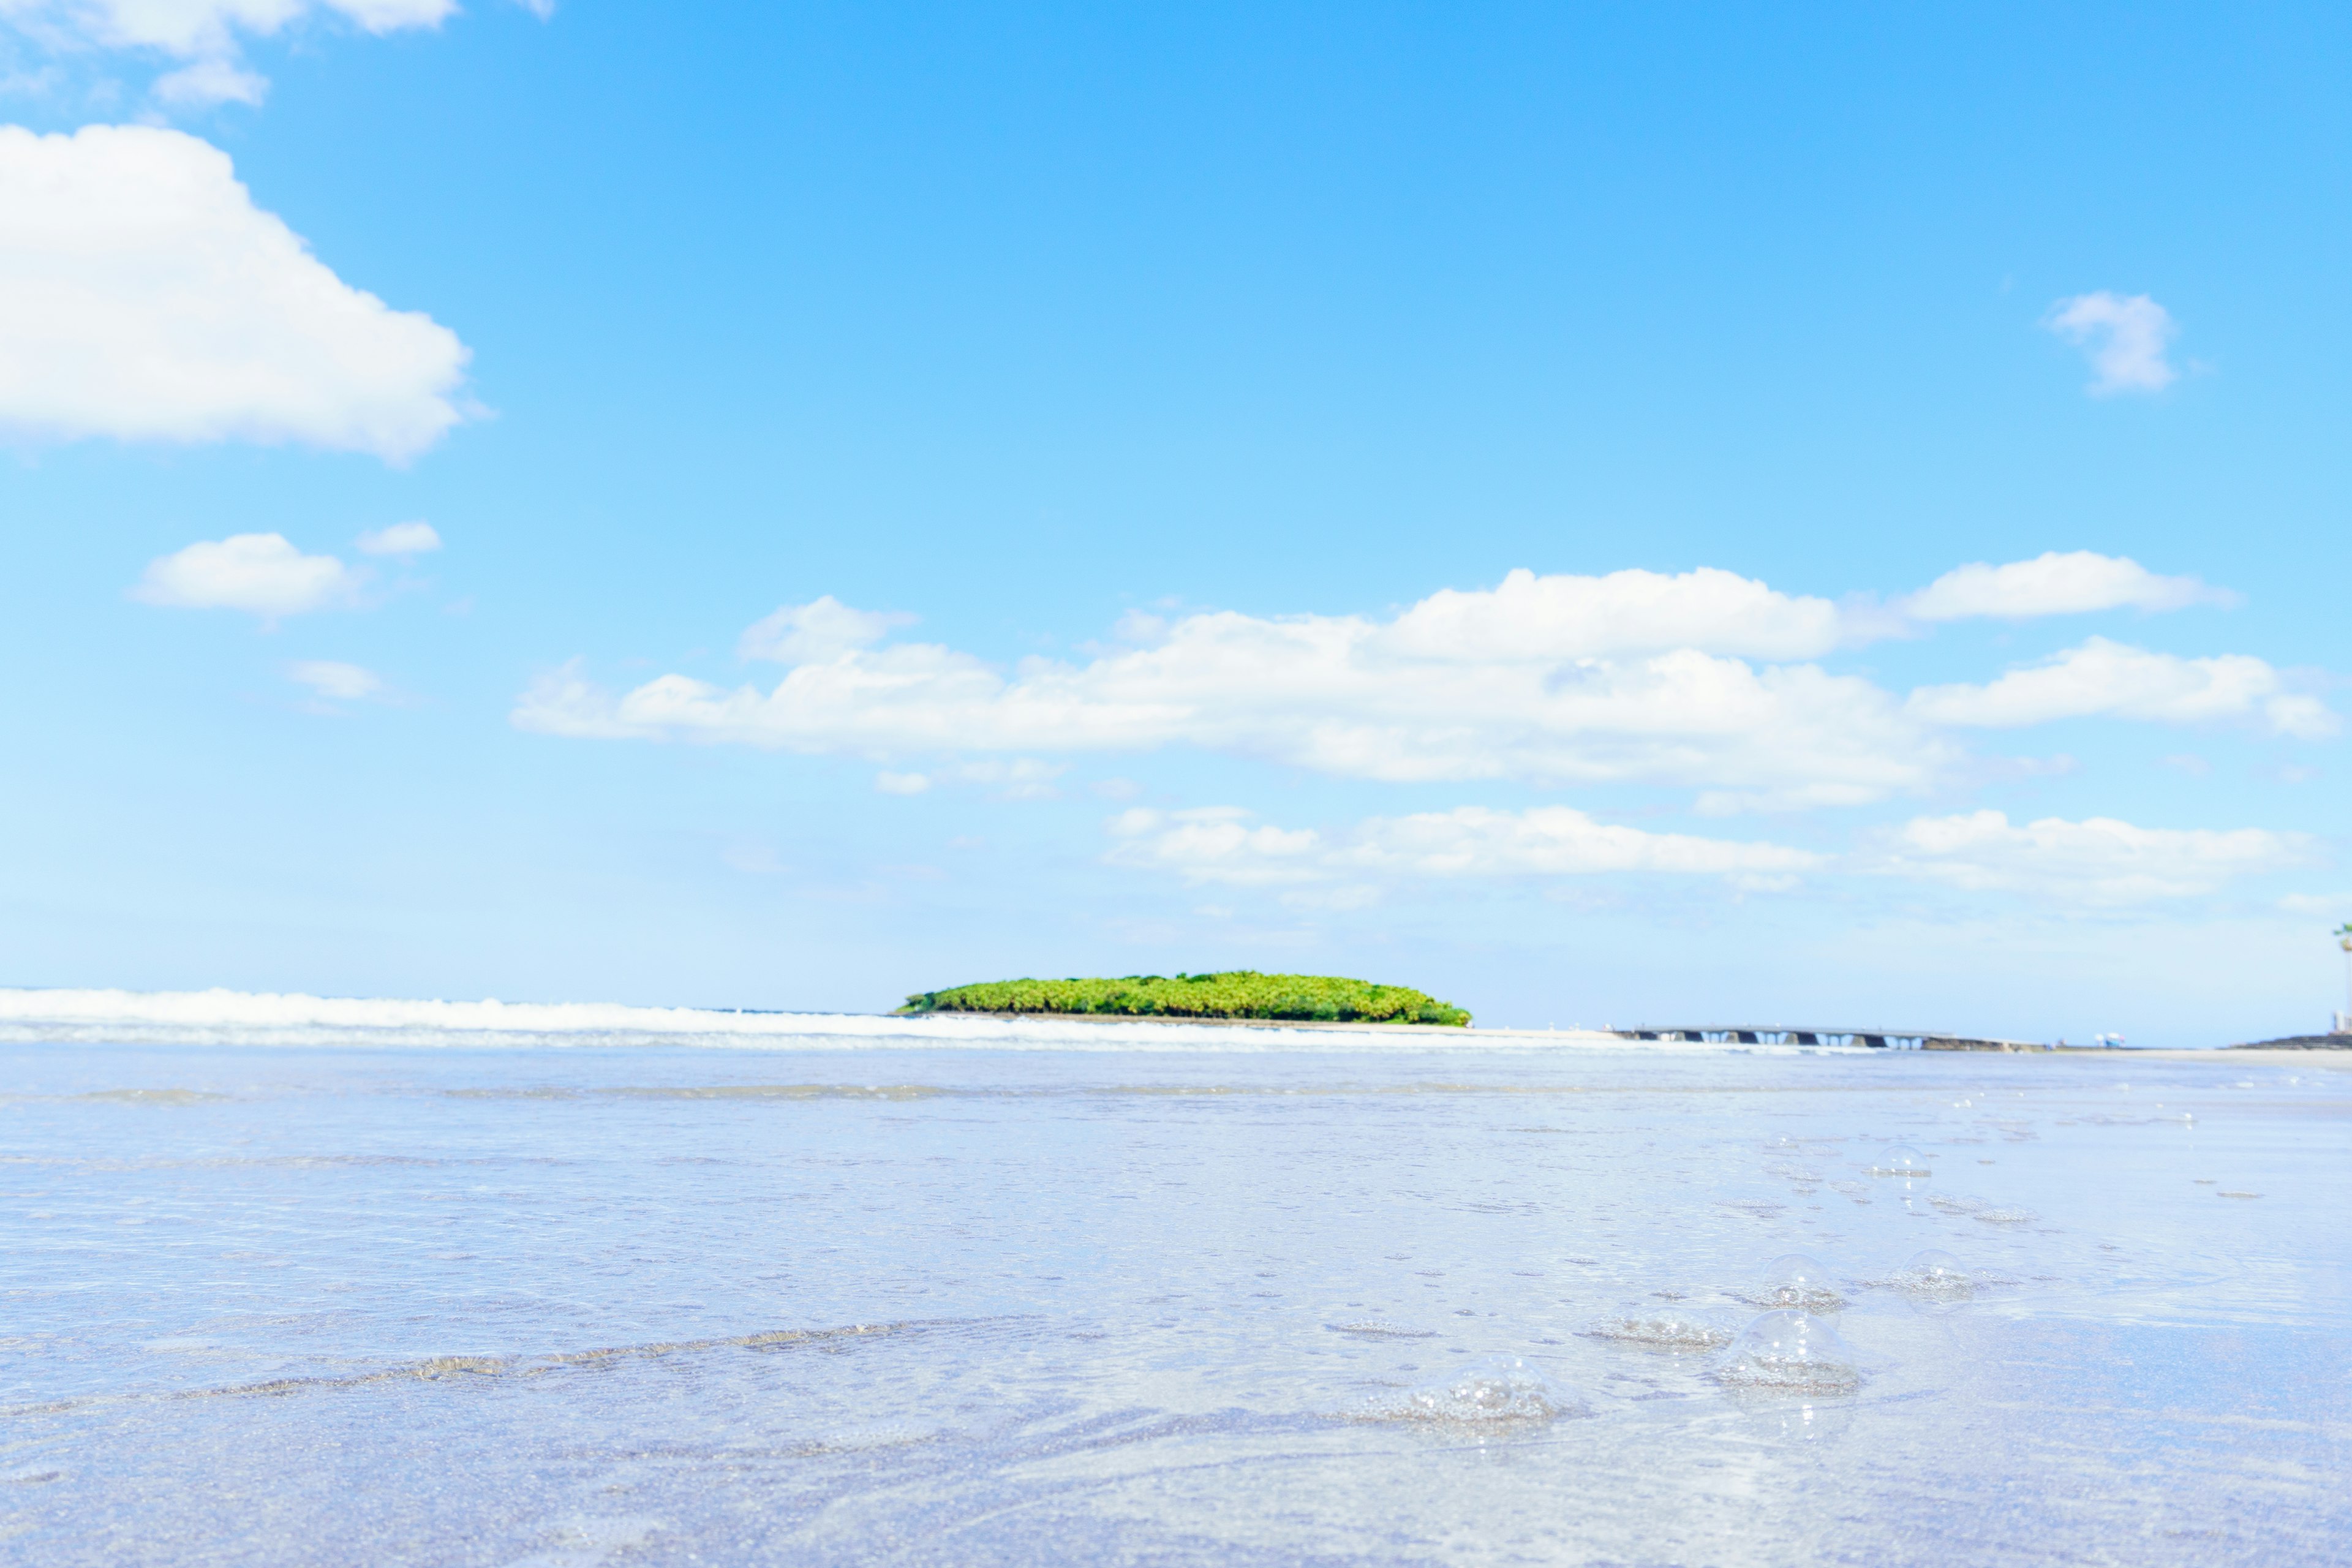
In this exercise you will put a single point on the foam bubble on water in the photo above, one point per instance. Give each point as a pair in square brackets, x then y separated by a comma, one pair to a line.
[1790, 1352]
[1900, 1160]
[1493, 1390]
[1381, 1329]
[1665, 1331]
[1934, 1276]
[1796, 1280]
[864, 1439]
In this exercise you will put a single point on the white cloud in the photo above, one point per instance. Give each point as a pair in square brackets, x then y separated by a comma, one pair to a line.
[400, 539]
[2104, 678]
[822, 629]
[2124, 339]
[1528, 617]
[889, 783]
[2072, 583]
[1552, 841]
[145, 297]
[335, 681]
[1458, 686]
[2100, 862]
[1223, 844]
[260, 573]
[207, 34]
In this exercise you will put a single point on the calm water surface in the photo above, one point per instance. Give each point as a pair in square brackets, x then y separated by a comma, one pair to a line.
[658, 1304]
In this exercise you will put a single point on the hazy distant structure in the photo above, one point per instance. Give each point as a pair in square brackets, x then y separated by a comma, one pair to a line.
[2343, 1025]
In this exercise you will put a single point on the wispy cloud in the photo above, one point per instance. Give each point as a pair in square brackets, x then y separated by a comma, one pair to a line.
[2099, 862]
[402, 539]
[205, 38]
[2125, 337]
[333, 681]
[1015, 778]
[1227, 845]
[2076, 583]
[822, 629]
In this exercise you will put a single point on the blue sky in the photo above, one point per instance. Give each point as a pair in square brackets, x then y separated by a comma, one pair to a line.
[1120, 385]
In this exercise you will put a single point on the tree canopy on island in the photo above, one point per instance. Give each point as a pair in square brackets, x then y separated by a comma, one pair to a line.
[1234, 993]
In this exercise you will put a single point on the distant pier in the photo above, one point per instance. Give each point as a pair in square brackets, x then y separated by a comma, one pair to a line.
[1784, 1035]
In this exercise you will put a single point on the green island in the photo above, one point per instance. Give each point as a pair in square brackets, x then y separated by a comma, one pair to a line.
[1235, 994]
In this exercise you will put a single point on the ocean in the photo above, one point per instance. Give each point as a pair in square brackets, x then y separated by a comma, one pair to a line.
[292, 1281]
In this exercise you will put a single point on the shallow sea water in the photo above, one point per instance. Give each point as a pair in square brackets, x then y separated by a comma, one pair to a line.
[666, 1304]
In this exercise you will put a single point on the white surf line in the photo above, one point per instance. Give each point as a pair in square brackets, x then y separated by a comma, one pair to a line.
[294, 1019]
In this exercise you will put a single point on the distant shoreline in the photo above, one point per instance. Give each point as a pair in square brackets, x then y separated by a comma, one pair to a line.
[2297, 1043]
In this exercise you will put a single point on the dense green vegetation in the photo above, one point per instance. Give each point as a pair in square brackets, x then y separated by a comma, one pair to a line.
[1236, 994]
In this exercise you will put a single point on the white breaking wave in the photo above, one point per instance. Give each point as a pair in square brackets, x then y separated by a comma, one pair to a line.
[249, 1017]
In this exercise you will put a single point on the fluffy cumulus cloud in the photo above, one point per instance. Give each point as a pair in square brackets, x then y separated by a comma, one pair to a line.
[262, 574]
[402, 539]
[144, 298]
[2110, 679]
[2072, 583]
[2125, 340]
[1226, 844]
[2096, 862]
[202, 39]
[1705, 682]
[1547, 680]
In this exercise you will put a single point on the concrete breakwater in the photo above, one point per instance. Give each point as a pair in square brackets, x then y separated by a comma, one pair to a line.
[1785, 1035]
